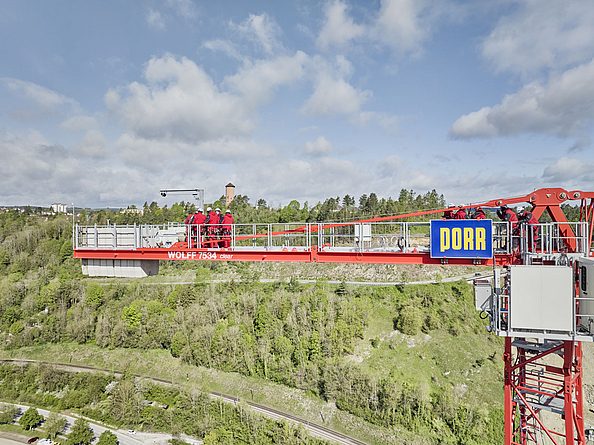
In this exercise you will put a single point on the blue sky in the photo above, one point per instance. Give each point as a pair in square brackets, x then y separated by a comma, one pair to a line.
[105, 103]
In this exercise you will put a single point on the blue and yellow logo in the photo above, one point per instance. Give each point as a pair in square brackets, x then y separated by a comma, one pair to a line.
[462, 238]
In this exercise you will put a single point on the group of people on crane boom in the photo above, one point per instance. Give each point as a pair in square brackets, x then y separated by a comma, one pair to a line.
[215, 228]
[460, 213]
[523, 216]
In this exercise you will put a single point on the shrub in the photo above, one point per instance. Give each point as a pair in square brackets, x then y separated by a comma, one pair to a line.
[410, 320]
[30, 419]
[7, 413]
[17, 327]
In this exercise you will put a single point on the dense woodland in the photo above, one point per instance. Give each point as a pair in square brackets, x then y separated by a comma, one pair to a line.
[302, 336]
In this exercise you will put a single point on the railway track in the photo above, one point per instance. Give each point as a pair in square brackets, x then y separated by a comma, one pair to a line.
[313, 428]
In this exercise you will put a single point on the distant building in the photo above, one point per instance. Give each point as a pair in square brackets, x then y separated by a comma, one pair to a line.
[229, 194]
[139, 211]
[60, 208]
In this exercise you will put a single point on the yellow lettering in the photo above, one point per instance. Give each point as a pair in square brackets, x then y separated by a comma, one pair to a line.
[444, 237]
[457, 238]
[481, 242]
[468, 238]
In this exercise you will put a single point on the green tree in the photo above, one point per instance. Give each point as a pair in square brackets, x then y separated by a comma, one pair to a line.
[108, 438]
[7, 413]
[66, 250]
[347, 201]
[95, 294]
[4, 258]
[81, 434]
[178, 343]
[30, 419]
[410, 320]
[262, 321]
[54, 425]
[132, 314]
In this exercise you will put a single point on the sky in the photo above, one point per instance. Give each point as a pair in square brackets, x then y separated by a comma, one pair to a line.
[102, 104]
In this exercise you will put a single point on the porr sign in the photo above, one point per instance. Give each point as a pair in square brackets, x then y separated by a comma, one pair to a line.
[461, 238]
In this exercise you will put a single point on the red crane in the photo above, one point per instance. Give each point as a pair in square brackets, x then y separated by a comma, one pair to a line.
[533, 382]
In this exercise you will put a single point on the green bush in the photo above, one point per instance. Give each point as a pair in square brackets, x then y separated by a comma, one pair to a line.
[108, 438]
[95, 294]
[410, 320]
[30, 419]
[17, 327]
[7, 413]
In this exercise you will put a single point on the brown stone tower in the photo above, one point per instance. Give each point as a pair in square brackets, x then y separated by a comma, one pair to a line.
[229, 194]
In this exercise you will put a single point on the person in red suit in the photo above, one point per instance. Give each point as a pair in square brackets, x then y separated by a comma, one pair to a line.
[189, 229]
[212, 229]
[526, 217]
[449, 213]
[226, 223]
[199, 220]
[507, 214]
[479, 214]
[461, 213]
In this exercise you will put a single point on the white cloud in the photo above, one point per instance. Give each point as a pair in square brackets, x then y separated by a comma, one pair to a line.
[256, 81]
[475, 124]
[320, 147]
[403, 25]
[224, 46]
[158, 155]
[338, 28]
[581, 144]
[390, 166]
[93, 145]
[148, 154]
[155, 20]
[277, 179]
[41, 96]
[542, 34]
[262, 30]
[111, 99]
[184, 8]
[333, 94]
[179, 102]
[569, 169]
[79, 123]
[562, 107]
[36, 172]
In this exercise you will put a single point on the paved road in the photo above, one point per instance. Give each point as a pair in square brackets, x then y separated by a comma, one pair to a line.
[12, 440]
[467, 277]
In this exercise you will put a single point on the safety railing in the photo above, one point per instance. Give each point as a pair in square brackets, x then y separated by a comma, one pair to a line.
[128, 236]
[533, 240]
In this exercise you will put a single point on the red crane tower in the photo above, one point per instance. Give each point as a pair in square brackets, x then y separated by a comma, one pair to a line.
[540, 303]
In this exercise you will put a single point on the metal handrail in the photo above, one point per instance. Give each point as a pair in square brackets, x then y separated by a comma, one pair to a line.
[374, 236]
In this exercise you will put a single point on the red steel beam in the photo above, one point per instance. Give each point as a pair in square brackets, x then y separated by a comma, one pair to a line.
[298, 256]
